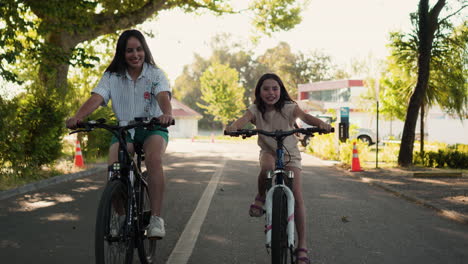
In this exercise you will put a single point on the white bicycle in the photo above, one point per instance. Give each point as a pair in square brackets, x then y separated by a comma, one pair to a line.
[279, 201]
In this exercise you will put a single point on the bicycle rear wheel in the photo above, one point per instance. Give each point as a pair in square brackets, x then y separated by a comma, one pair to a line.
[112, 244]
[279, 236]
[146, 247]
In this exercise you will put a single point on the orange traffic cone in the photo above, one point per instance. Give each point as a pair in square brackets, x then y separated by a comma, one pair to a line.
[355, 164]
[78, 156]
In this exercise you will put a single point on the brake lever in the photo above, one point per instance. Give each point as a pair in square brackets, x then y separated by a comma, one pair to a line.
[81, 130]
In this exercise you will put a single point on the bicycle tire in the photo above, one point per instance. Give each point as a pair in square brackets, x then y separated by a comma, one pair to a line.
[110, 244]
[146, 247]
[279, 236]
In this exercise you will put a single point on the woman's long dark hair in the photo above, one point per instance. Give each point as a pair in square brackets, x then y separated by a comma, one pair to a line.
[284, 96]
[118, 64]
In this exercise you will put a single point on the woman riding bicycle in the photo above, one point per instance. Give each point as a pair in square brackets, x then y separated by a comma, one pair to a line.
[273, 109]
[137, 88]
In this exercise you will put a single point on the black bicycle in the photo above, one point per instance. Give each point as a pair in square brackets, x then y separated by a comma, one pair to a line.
[279, 202]
[124, 209]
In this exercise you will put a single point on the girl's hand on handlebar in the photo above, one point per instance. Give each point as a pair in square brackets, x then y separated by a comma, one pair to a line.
[325, 126]
[231, 128]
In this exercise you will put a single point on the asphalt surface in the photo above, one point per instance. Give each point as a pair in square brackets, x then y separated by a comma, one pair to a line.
[404, 220]
[433, 188]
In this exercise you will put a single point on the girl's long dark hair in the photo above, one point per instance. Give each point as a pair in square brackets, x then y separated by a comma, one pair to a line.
[118, 64]
[284, 96]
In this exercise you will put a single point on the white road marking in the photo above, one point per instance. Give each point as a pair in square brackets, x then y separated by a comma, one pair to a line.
[184, 247]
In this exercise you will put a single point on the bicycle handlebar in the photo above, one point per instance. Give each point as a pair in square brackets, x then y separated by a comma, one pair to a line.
[278, 133]
[101, 123]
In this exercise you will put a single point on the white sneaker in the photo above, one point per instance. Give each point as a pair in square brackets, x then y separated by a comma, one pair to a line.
[156, 228]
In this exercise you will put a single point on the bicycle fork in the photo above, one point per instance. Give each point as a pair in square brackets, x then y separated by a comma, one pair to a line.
[269, 213]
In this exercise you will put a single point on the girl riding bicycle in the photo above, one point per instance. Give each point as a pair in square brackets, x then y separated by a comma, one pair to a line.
[273, 109]
[137, 88]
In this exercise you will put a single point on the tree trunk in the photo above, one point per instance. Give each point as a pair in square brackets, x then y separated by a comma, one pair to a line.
[53, 69]
[428, 24]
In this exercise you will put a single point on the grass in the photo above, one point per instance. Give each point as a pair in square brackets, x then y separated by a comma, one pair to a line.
[10, 180]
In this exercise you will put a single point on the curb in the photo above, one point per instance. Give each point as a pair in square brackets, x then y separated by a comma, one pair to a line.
[443, 212]
[47, 182]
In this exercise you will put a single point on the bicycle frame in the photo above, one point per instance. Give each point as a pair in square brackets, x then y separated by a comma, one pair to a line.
[125, 166]
[279, 174]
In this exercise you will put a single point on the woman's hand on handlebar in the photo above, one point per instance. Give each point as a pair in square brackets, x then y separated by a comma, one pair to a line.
[73, 122]
[165, 119]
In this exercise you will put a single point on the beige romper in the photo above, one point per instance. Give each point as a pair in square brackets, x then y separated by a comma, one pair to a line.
[281, 121]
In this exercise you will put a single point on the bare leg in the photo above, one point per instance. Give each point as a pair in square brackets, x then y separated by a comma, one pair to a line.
[155, 147]
[114, 152]
[267, 163]
[299, 209]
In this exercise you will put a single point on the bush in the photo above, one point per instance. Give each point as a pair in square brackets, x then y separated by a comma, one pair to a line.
[323, 146]
[457, 159]
[95, 144]
[31, 132]
[389, 153]
[442, 158]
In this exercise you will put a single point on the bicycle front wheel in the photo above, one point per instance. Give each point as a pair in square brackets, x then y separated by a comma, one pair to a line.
[113, 245]
[146, 247]
[279, 236]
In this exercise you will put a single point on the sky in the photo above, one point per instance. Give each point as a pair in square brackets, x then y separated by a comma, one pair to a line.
[343, 29]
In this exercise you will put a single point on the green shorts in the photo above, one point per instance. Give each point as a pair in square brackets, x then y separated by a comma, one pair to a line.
[141, 134]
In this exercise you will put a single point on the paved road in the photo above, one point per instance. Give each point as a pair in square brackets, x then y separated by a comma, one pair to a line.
[209, 187]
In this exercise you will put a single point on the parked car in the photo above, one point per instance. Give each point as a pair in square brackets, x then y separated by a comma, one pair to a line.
[366, 135]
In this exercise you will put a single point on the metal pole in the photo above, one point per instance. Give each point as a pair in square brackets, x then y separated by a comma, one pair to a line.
[377, 140]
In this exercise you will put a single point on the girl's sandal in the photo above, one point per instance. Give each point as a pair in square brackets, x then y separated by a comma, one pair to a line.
[256, 210]
[303, 259]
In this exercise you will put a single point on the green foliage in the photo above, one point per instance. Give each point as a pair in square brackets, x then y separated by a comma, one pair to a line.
[292, 68]
[221, 93]
[96, 143]
[324, 146]
[295, 69]
[443, 158]
[274, 15]
[38, 28]
[457, 159]
[389, 153]
[36, 138]
[441, 155]
[8, 110]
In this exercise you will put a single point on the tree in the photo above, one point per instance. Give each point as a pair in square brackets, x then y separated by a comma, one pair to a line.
[224, 51]
[221, 92]
[50, 37]
[49, 31]
[295, 69]
[428, 24]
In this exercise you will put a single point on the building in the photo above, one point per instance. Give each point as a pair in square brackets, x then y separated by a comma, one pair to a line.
[321, 96]
[186, 120]
[318, 97]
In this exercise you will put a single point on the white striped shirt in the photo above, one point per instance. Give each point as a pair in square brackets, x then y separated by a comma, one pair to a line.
[130, 98]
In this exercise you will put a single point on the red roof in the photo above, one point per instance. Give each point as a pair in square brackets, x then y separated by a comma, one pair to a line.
[180, 110]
